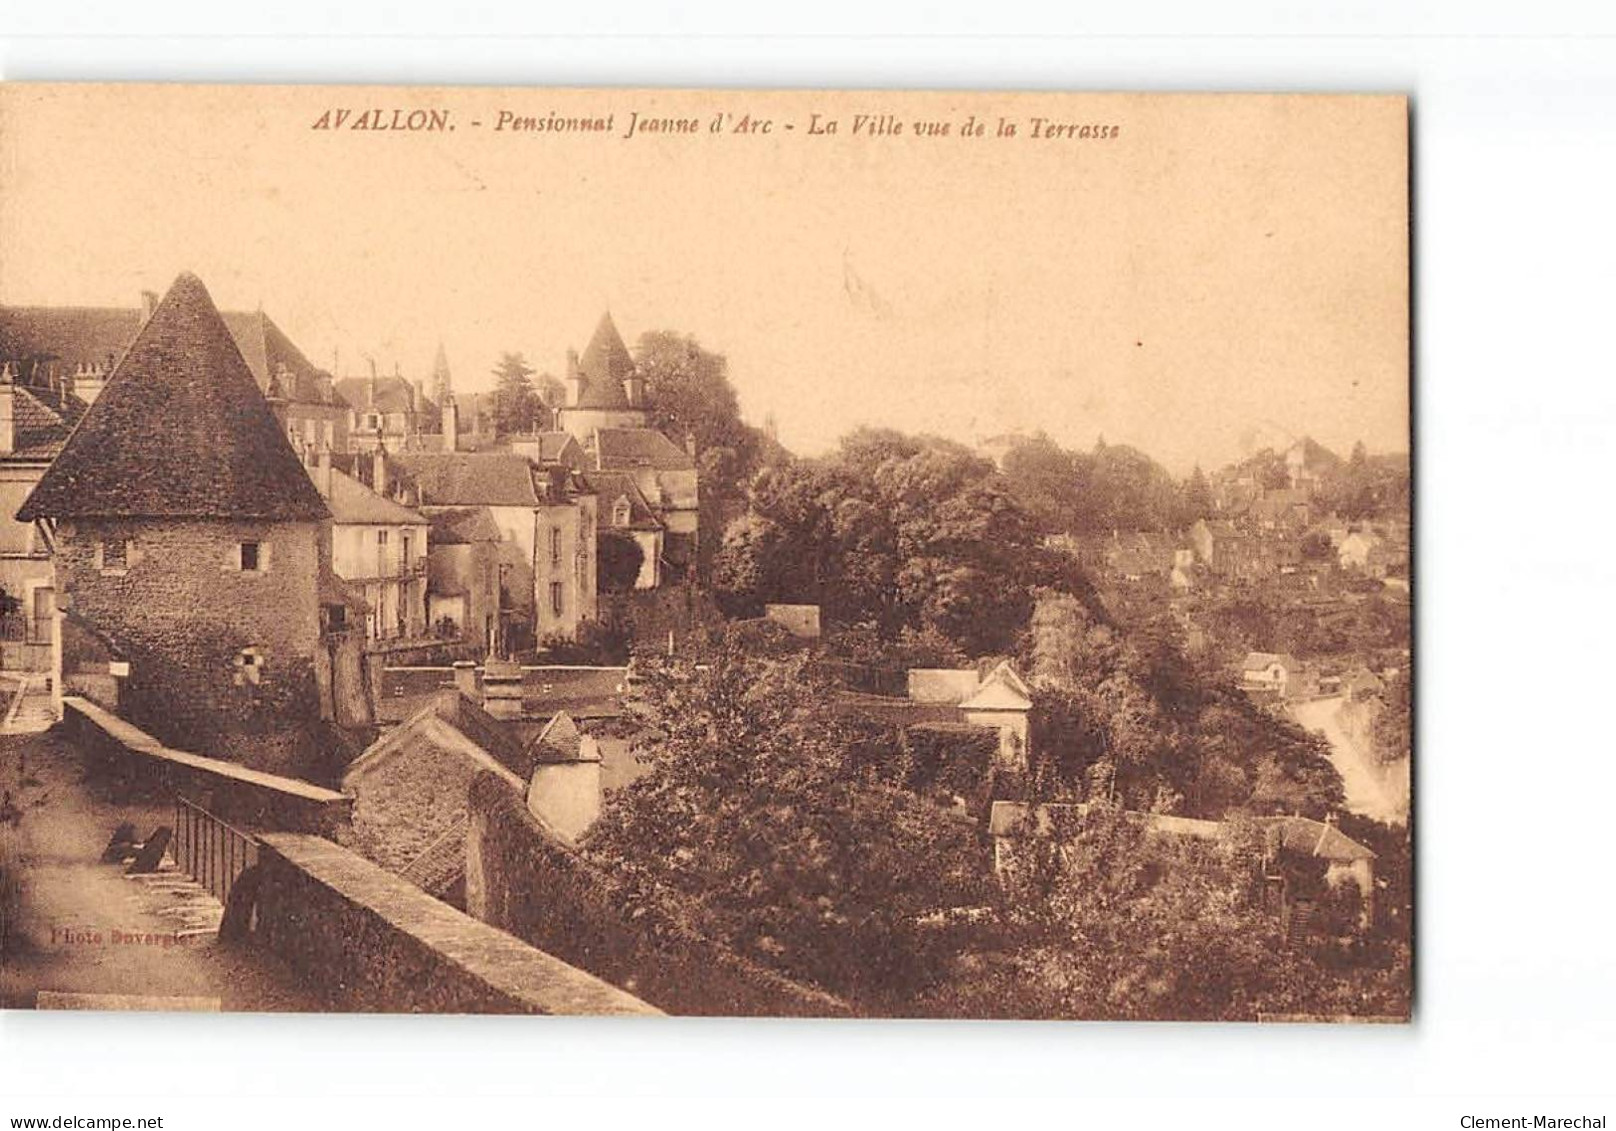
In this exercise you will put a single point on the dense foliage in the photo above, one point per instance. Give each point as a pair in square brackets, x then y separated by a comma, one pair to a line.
[899, 532]
[1127, 717]
[1104, 920]
[618, 561]
[770, 813]
[1112, 488]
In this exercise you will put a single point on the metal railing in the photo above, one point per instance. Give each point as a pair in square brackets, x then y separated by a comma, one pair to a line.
[209, 850]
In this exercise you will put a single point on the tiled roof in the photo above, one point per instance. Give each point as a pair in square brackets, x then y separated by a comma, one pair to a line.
[605, 365]
[70, 336]
[610, 486]
[623, 449]
[353, 503]
[485, 730]
[462, 526]
[74, 336]
[553, 445]
[392, 395]
[181, 430]
[42, 420]
[277, 364]
[1314, 838]
[468, 479]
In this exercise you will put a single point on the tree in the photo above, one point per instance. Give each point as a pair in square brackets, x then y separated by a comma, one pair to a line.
[1104, 920]
[1194, 499]
[618, 561]
[760, 809]
[516, 405]
[690, 394]
[901, 531]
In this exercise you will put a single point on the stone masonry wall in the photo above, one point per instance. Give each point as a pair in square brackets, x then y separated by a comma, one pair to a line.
[181, 613]
[369, 941]
[131, 763]
[522, 879]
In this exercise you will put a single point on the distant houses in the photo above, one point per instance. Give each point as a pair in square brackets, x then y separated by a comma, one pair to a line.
[188, 540]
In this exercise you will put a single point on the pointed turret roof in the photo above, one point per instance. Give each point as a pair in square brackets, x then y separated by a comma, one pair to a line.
[181, 431]
[605, 365]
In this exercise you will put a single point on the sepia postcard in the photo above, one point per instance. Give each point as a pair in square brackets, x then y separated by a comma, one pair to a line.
[740, 553]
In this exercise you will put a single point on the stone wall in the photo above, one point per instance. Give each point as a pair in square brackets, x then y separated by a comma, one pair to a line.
[182, 613]
[130, 762]
[369, 941]
[523, 879]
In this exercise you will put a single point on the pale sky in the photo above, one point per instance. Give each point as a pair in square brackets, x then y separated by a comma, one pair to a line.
[1225, 267]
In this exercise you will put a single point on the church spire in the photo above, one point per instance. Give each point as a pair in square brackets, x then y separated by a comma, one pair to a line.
[442, 383]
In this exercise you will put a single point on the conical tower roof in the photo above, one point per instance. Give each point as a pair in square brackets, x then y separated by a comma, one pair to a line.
[180, 431]
[605, 365]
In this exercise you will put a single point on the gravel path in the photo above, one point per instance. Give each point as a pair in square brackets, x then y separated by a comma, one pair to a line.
[71, 926]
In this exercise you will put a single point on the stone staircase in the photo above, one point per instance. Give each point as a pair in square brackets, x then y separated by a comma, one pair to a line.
[176, 897]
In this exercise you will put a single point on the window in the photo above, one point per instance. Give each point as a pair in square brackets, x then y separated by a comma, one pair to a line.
[249, 667]
[404, 552]
[252, 558]
[555, 597]
[381, 553]
[330, 434]
[621, 511]
[555, 545]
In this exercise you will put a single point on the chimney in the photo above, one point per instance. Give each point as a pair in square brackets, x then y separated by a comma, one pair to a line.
[322, 472]
[370, 385]
[465, 678]
[690, 444]
[634, 389]
[451, 424]
[88, 381]
[378, 470]
[565, 790]
[575, 380]
[148, 306]
[8, 407]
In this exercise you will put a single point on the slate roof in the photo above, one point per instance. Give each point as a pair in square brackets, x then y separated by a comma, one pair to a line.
[470, 479]
[180, 431]
[621, 449]
[609, 486]
[461, 526]
[352, 503]
[605, 365]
